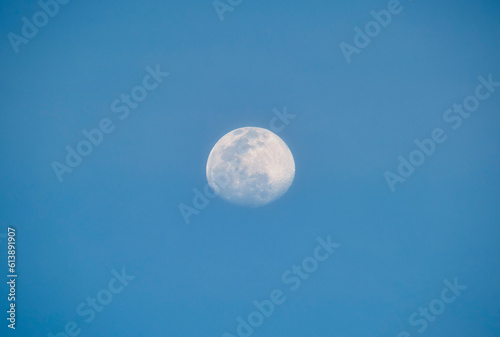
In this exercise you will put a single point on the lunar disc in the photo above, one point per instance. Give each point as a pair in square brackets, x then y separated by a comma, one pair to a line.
[250, 166]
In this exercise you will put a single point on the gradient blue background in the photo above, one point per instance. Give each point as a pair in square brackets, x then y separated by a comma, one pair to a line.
[120, 207]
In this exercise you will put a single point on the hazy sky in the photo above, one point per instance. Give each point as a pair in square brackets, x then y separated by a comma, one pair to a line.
[119, 207]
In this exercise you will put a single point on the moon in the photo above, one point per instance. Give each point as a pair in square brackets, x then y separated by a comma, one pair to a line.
[250, 167]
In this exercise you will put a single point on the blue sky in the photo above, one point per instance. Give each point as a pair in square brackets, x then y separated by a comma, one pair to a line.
[119, 207]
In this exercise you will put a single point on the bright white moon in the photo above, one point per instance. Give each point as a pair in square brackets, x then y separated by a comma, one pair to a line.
[250, 167]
